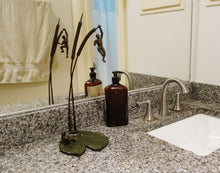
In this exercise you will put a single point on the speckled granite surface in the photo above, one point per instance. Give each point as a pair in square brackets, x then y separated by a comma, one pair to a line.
[206, 92]
[34, 104]
[130, 149]
[143, 80]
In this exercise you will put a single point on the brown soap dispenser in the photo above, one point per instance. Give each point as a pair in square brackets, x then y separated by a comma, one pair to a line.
[93, 87]
[116, 96]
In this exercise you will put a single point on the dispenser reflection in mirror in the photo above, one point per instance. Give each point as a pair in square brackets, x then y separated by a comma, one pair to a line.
[93, 87]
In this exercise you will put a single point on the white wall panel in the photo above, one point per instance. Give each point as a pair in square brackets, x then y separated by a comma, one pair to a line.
[159, 44]
[206, 68]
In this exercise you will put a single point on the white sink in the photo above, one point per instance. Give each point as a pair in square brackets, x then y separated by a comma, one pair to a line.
[199, 134]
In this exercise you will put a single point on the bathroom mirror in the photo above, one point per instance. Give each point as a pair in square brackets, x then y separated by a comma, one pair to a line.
[148, 49]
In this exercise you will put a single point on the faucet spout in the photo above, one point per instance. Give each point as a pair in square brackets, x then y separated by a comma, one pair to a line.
[163, 105]
[130, 84]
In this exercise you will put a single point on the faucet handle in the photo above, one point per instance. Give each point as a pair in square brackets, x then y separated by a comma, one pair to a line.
[177, 106]
[149, 114]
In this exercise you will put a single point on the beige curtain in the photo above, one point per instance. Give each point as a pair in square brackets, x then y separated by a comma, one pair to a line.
[86, 59]
[25, 40]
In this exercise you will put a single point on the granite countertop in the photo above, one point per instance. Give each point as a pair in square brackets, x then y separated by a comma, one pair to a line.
[130, 149]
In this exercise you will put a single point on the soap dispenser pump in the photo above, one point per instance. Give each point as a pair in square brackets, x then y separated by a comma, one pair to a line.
[116, 96]
[93, 87]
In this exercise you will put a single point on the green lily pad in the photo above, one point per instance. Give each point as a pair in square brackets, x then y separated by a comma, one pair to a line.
[93, 140]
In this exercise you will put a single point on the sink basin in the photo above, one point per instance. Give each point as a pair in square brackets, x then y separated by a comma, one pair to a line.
[199, 134]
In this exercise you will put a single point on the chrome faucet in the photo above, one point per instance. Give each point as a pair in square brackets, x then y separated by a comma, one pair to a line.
[130, 84]
[163, 105]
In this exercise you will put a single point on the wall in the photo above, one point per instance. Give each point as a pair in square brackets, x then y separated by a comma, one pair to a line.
[159, 44]
[206, 47]
[13, 93]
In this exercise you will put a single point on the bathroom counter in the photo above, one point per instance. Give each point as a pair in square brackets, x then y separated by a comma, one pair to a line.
[130, 149]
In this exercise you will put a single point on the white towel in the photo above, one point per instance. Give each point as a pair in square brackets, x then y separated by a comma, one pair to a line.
[25, 40]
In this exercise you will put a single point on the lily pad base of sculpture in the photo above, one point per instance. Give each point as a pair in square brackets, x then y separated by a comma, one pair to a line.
[77, 146]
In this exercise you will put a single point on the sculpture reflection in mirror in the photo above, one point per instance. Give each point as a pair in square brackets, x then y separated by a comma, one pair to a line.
[74, 142]
[64, 44]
